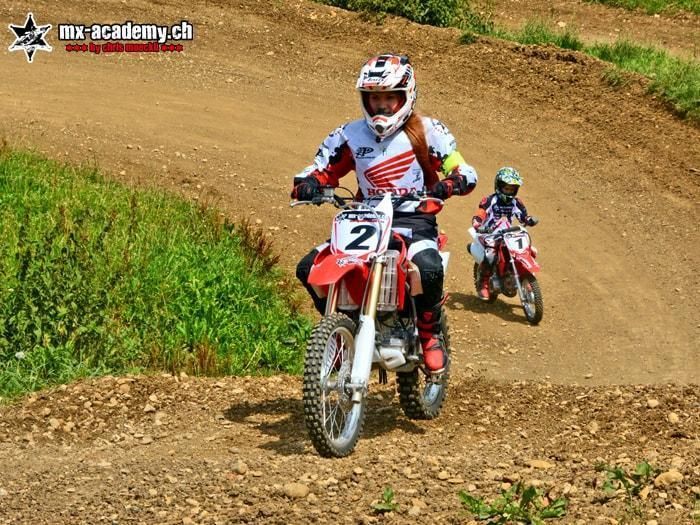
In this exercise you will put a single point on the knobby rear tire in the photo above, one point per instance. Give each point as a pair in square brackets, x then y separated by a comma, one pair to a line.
[419, 398]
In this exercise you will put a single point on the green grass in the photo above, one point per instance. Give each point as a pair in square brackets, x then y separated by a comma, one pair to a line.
[675, 79]
[518, 504]
[654, 6]
[441, 13]
[537, 32]
[99, 278]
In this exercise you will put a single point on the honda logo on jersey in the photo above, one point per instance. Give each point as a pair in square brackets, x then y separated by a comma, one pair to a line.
[373, 192]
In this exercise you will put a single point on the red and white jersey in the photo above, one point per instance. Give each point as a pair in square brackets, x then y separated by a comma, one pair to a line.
[387, 165]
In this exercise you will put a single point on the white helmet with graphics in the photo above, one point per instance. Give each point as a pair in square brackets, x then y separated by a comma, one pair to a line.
[385, 74]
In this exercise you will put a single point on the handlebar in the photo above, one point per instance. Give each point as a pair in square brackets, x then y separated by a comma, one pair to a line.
[499, 233]
[327, 195]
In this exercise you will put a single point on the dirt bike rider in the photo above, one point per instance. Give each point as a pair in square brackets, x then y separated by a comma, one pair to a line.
[502, 203]
[393, 149]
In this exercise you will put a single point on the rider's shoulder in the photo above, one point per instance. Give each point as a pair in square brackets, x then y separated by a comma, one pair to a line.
[354, 126]
[435, 126]
[341, 131]
[487, 199]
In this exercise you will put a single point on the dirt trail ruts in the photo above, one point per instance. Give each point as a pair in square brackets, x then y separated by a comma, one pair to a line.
[611, 173]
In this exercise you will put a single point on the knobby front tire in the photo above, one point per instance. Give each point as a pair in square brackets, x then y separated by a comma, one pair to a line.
[533, 306]
[333, 421]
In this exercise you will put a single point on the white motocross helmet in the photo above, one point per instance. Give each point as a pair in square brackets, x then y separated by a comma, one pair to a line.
[387, 73]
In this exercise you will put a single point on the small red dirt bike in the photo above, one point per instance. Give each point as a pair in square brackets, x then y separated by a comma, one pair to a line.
[514, 268]
[369, 322]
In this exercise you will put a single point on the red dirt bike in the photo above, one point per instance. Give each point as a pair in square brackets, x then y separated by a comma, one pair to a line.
[369, 322]
[514, 269]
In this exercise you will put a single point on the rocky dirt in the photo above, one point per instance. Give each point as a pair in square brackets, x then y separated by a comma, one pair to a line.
[183, 450]
[610, 376]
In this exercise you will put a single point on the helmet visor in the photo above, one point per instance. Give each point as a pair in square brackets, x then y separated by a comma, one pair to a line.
[509, 189]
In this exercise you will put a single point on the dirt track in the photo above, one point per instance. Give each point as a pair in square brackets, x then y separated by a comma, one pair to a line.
[611, 173]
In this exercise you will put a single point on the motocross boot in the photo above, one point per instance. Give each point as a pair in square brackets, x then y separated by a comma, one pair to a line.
[431, 340]
[485, 274]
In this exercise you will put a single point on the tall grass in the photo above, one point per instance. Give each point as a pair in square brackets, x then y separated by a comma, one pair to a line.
[99, 278]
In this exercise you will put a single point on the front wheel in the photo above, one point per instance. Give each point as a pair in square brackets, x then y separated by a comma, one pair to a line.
[532, 305]
[333, 421]
[421, 397]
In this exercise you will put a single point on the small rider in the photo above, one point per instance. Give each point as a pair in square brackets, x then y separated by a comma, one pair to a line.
[502, 203]
[394, 150]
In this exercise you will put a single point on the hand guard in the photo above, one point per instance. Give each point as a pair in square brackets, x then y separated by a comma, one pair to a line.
[531, 220]
[451, 185]
[306, 189]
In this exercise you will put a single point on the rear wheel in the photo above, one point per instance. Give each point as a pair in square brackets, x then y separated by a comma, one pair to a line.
[533, 305]
[333, 421]
[422, 396]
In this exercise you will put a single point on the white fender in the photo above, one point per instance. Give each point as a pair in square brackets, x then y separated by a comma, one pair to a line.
[476, 249]
[445, 256]
[364, 352]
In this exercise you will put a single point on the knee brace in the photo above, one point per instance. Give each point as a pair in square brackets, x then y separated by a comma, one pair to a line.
[432, 276]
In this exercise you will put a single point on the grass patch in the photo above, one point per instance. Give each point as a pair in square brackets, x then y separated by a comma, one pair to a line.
[537, 32]
[653, 7]
[99, 278]
[676, 80]
[441, 13]
[518, 504]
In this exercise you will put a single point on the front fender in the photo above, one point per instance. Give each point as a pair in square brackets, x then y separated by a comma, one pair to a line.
[334, 267]
[526, 263]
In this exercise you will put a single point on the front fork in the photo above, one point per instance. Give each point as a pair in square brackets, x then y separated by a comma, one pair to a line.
[365, 337]
[521, 291]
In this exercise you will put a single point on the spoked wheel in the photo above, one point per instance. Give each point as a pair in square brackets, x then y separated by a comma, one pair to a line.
[422, 396]
[333, 421]
[477, 285]
[533, 305]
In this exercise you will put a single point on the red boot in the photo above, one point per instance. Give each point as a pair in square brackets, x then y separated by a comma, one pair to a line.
[484, 292]
[434, 354]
